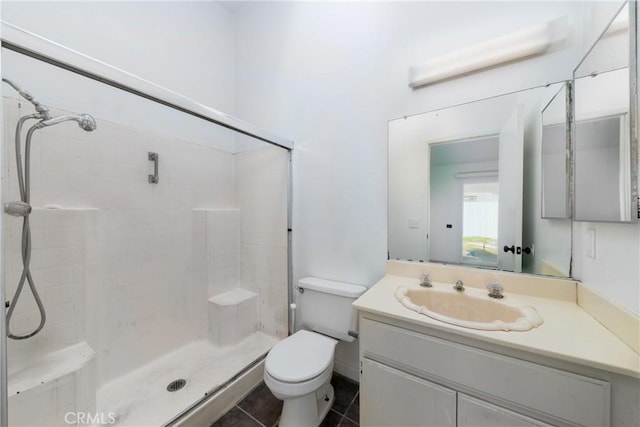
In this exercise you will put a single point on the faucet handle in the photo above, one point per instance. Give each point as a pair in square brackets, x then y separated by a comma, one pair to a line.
[425, 280]
[459, 286]
[495, 290]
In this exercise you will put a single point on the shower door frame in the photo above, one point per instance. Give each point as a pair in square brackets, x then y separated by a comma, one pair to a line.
[48, 51]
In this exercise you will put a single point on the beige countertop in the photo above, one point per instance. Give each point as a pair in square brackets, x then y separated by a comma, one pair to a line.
[568, 333]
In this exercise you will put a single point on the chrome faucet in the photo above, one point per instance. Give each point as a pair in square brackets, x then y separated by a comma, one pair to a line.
[425, 280]
[459, 286]
[495, 290]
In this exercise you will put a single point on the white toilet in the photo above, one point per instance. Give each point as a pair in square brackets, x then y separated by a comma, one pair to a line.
[298, 369]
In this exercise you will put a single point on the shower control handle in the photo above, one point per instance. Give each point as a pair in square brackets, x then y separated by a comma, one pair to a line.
[153, 157]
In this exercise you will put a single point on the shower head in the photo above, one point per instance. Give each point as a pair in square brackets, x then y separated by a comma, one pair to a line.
[85, 121]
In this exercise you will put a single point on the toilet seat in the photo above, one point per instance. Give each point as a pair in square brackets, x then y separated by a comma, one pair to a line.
[300, 357]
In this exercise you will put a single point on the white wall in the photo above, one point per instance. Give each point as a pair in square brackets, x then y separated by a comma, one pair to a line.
[330, 75]
[186, 46]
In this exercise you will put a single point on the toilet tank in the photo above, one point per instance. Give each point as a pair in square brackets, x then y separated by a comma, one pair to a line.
[325, 307]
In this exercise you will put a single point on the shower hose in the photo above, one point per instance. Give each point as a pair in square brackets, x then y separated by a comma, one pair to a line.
[24, 181]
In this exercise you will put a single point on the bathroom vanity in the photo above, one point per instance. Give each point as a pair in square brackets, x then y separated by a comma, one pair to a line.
[415, 370]
[501, 183]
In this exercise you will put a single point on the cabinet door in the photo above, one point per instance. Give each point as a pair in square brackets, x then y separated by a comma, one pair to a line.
[389, 397]
[557, 395]
[477, 413]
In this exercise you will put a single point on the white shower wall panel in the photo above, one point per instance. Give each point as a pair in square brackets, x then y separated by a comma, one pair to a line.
[261, 196]
[215, 258]
[152, 302]
[222, 250]
[64, 255]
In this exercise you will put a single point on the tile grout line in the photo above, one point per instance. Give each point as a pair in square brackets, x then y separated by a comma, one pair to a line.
[354, 398]
[348, 419]
[349, 407]
[345, 417]
[250, 416]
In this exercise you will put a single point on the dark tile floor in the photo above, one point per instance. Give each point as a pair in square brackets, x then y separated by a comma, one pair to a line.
[261, 409]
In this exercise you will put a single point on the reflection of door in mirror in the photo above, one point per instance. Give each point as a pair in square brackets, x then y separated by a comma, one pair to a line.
[453, 165]
[510, 177]
[498, 156]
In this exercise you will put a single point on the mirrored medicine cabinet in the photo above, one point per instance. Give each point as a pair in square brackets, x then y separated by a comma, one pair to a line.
[605, 115]
[496, 183]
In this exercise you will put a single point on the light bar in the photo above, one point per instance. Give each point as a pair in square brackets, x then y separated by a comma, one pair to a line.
[510, 47]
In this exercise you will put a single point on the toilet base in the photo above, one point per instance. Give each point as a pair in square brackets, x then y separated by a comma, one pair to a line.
[308, 410]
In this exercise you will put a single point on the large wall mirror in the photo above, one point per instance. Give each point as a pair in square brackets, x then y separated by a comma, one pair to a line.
[605, 112]
[496, 183]
[462, 190]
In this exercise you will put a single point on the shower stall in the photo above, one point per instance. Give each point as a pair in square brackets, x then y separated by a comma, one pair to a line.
[146, 263]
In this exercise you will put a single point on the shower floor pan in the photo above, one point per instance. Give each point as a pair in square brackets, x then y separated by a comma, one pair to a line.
[141, 398]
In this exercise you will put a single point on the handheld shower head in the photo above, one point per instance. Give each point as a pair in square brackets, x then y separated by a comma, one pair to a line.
[43, 110]
[85, 121]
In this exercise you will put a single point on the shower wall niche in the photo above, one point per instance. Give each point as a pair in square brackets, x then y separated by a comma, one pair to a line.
[128, 270]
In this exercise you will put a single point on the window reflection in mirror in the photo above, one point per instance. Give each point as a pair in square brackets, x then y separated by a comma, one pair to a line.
[480, 223]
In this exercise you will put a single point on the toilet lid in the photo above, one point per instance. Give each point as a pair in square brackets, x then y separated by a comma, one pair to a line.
[301, 357]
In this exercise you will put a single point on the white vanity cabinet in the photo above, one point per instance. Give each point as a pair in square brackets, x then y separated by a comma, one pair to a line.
[395, 398]
[410, 378]
[478, 413]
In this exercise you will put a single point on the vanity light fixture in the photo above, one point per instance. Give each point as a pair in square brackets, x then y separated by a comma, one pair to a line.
[521, 44]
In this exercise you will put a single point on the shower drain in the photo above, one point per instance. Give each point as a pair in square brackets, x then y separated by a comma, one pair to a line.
[176, 385]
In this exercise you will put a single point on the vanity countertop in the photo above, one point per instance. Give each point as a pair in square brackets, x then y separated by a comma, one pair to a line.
[568, 333]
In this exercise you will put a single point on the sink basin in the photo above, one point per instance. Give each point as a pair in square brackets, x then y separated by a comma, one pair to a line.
[469, 309]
